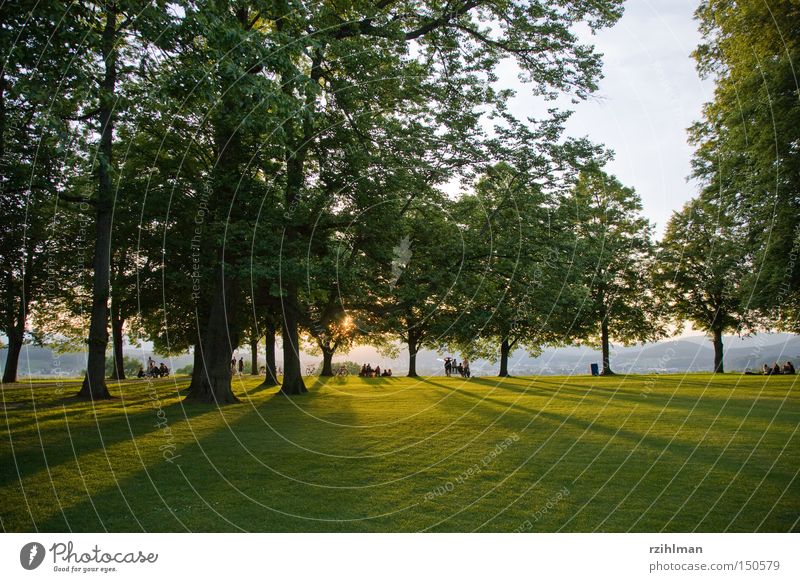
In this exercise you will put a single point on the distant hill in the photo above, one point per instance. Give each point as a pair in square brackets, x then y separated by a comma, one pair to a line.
[692, 354]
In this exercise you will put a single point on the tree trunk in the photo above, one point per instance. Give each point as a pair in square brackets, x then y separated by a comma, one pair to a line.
[117, 323]
[292, 377]
[271, 375]
[254, 356]
[211, 381]
[12, 358]
[606, 371]
[719, 367]
[413, 346]
[505, 350]
[327, 361]
[94, 383]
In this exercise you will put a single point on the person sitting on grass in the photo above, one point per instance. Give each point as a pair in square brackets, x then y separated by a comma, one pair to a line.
[767, 370]
[163, 370]
[776, 369]
[140, 373]
[788, 368]
[377, 371]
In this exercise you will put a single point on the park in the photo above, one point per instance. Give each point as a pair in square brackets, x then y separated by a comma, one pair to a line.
[208, 207]
[672, 453]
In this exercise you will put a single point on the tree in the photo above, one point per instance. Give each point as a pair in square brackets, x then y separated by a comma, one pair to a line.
[615, 250]
[109, 27]
[746, 144]
[36, 161]
[515, 290]
[701, 269]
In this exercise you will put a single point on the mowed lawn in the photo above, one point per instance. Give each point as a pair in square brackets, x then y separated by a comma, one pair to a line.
[636, 453]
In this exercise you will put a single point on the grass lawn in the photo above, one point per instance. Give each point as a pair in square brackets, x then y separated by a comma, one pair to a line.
[636, 453]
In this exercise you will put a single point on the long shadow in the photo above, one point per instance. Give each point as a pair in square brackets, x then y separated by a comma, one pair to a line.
[227, 482]
[216, 468]
[116, 421]
[571, 421]
[695, 401]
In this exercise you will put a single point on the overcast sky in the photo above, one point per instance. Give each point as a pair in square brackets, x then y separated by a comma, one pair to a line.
[650, 94]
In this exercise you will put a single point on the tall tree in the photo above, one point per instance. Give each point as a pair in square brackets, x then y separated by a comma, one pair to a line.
[109, 27]
[701, 271]
[516, 290]
[746, 143]
[615, 248]
[36, 162]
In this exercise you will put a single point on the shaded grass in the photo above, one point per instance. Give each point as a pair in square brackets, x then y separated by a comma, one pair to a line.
[635, 453]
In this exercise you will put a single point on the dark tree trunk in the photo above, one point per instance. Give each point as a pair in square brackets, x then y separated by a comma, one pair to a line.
[605, 345]
[211, 380]
[505, 350]
[271, 375]
[254, 356]
[292, 377]
[94, 383]
[413, 347]
[327, 361]
[12, 357]
[719, 367]
[117, 323]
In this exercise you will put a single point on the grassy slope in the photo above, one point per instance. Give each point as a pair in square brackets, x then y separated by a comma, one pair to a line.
[642, 453]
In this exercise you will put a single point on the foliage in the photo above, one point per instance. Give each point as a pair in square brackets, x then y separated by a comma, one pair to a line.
[746, 143]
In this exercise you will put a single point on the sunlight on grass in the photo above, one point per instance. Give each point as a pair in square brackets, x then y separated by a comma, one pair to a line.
[642, 453]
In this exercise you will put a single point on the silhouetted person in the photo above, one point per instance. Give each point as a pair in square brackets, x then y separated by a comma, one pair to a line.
[466, 368]
[448, 366]
[241, 365]
[140, 373]
[776, 369]
[377, 371]
[788, 368]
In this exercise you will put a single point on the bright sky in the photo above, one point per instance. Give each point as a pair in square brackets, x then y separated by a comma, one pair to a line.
[650, 94]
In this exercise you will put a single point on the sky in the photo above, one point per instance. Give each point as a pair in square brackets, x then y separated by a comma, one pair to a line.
[650, 94]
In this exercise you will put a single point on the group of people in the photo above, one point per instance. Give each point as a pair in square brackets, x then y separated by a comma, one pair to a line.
[787, 368]
[368, 372]
[237, 366]
[453, 366]
[153, 371]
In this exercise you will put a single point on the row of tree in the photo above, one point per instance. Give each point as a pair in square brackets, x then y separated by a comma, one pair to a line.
[210, 174]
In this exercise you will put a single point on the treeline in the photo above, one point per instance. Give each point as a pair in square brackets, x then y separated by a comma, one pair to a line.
[206, 175]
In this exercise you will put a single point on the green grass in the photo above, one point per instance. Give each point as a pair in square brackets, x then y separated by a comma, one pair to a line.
[636, 453]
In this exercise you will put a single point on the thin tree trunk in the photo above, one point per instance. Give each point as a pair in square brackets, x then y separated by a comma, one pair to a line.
[719, 367]
[254, 356]
[605, 346]
[413, 347]
[117, 323]
[94, 383]
[292, 376]
[271, 375]
[211, 381]
[505, 350]
[12, 357]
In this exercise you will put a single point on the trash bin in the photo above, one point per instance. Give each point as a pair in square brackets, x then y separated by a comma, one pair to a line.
[595, 369]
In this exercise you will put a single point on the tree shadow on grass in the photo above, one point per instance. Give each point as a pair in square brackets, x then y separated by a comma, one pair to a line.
[234, 476]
